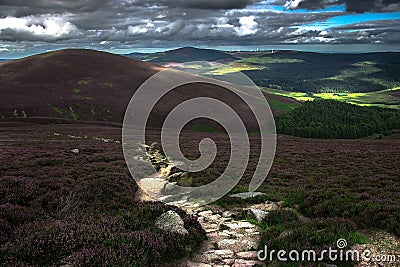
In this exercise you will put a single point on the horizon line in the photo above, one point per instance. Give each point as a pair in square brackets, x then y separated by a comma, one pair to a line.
[305, 48]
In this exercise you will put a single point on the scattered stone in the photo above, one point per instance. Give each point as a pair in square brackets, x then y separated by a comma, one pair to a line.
[212, 234]
[19, 114]
[239, 225]
[75, 151]
[286, 233]
[205, 213]
[224, 234]
[227, 214]
[210, 256]
[247, 195]
[170, 221]
[213, 218]
[268, 206]
[246, 263]
[247, 255]
[257, 214]
[225, 243]
[227, 232]
[224, 253]
[237, 245]
[228, 261]
[197, 264]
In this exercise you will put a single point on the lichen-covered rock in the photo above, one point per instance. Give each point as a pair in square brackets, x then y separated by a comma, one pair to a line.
[257, 214]
[170, 221]
[286, 233]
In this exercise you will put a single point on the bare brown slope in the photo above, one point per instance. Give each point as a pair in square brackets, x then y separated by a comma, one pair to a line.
[91, 86]
[96, 85]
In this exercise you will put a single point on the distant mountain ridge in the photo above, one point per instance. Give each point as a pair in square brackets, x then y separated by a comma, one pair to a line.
[184, 54]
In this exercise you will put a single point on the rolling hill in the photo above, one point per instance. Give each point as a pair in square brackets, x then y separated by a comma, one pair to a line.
[184, 54]
[75, 84]
[295, 71]
[86, 85]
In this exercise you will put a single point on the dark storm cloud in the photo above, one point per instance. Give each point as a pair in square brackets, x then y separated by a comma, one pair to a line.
[211, 4]
[114, 24]
[62, 5]
[351, 5]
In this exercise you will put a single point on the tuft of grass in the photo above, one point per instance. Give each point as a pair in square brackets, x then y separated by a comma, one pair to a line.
[58, 110]
[84, 82]
[72, 114]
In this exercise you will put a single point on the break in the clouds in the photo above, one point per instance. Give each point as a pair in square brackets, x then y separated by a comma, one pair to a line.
[350, 5]
[37, 25]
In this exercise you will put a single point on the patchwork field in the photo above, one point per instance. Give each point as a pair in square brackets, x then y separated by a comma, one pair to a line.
[362, 79]
[385, 98]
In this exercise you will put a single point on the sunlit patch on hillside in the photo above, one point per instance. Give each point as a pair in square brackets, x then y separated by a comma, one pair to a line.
[233, 67]
[378, 99]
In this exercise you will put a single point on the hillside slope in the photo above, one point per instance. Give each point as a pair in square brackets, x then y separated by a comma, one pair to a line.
[95, 86]
[76, 84]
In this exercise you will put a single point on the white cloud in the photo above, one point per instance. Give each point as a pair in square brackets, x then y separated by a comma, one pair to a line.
[49, 27]
[140, 29]
[248, 26]
[292, 4]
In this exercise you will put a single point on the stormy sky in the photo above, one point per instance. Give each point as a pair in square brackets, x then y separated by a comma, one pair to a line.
[34, 26]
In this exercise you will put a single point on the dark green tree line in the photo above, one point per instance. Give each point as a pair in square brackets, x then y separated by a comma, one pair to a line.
[334, 119]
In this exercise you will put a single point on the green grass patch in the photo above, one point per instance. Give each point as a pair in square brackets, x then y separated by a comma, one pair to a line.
[233, 67]
[203, 128]
[186, 181]
[84, 82]
[76, 90]
[58, 110]
[275, 104]
[73, 115]
[66, 113]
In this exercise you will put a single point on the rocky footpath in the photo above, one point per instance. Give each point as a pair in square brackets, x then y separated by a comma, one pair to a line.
[230, 242]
